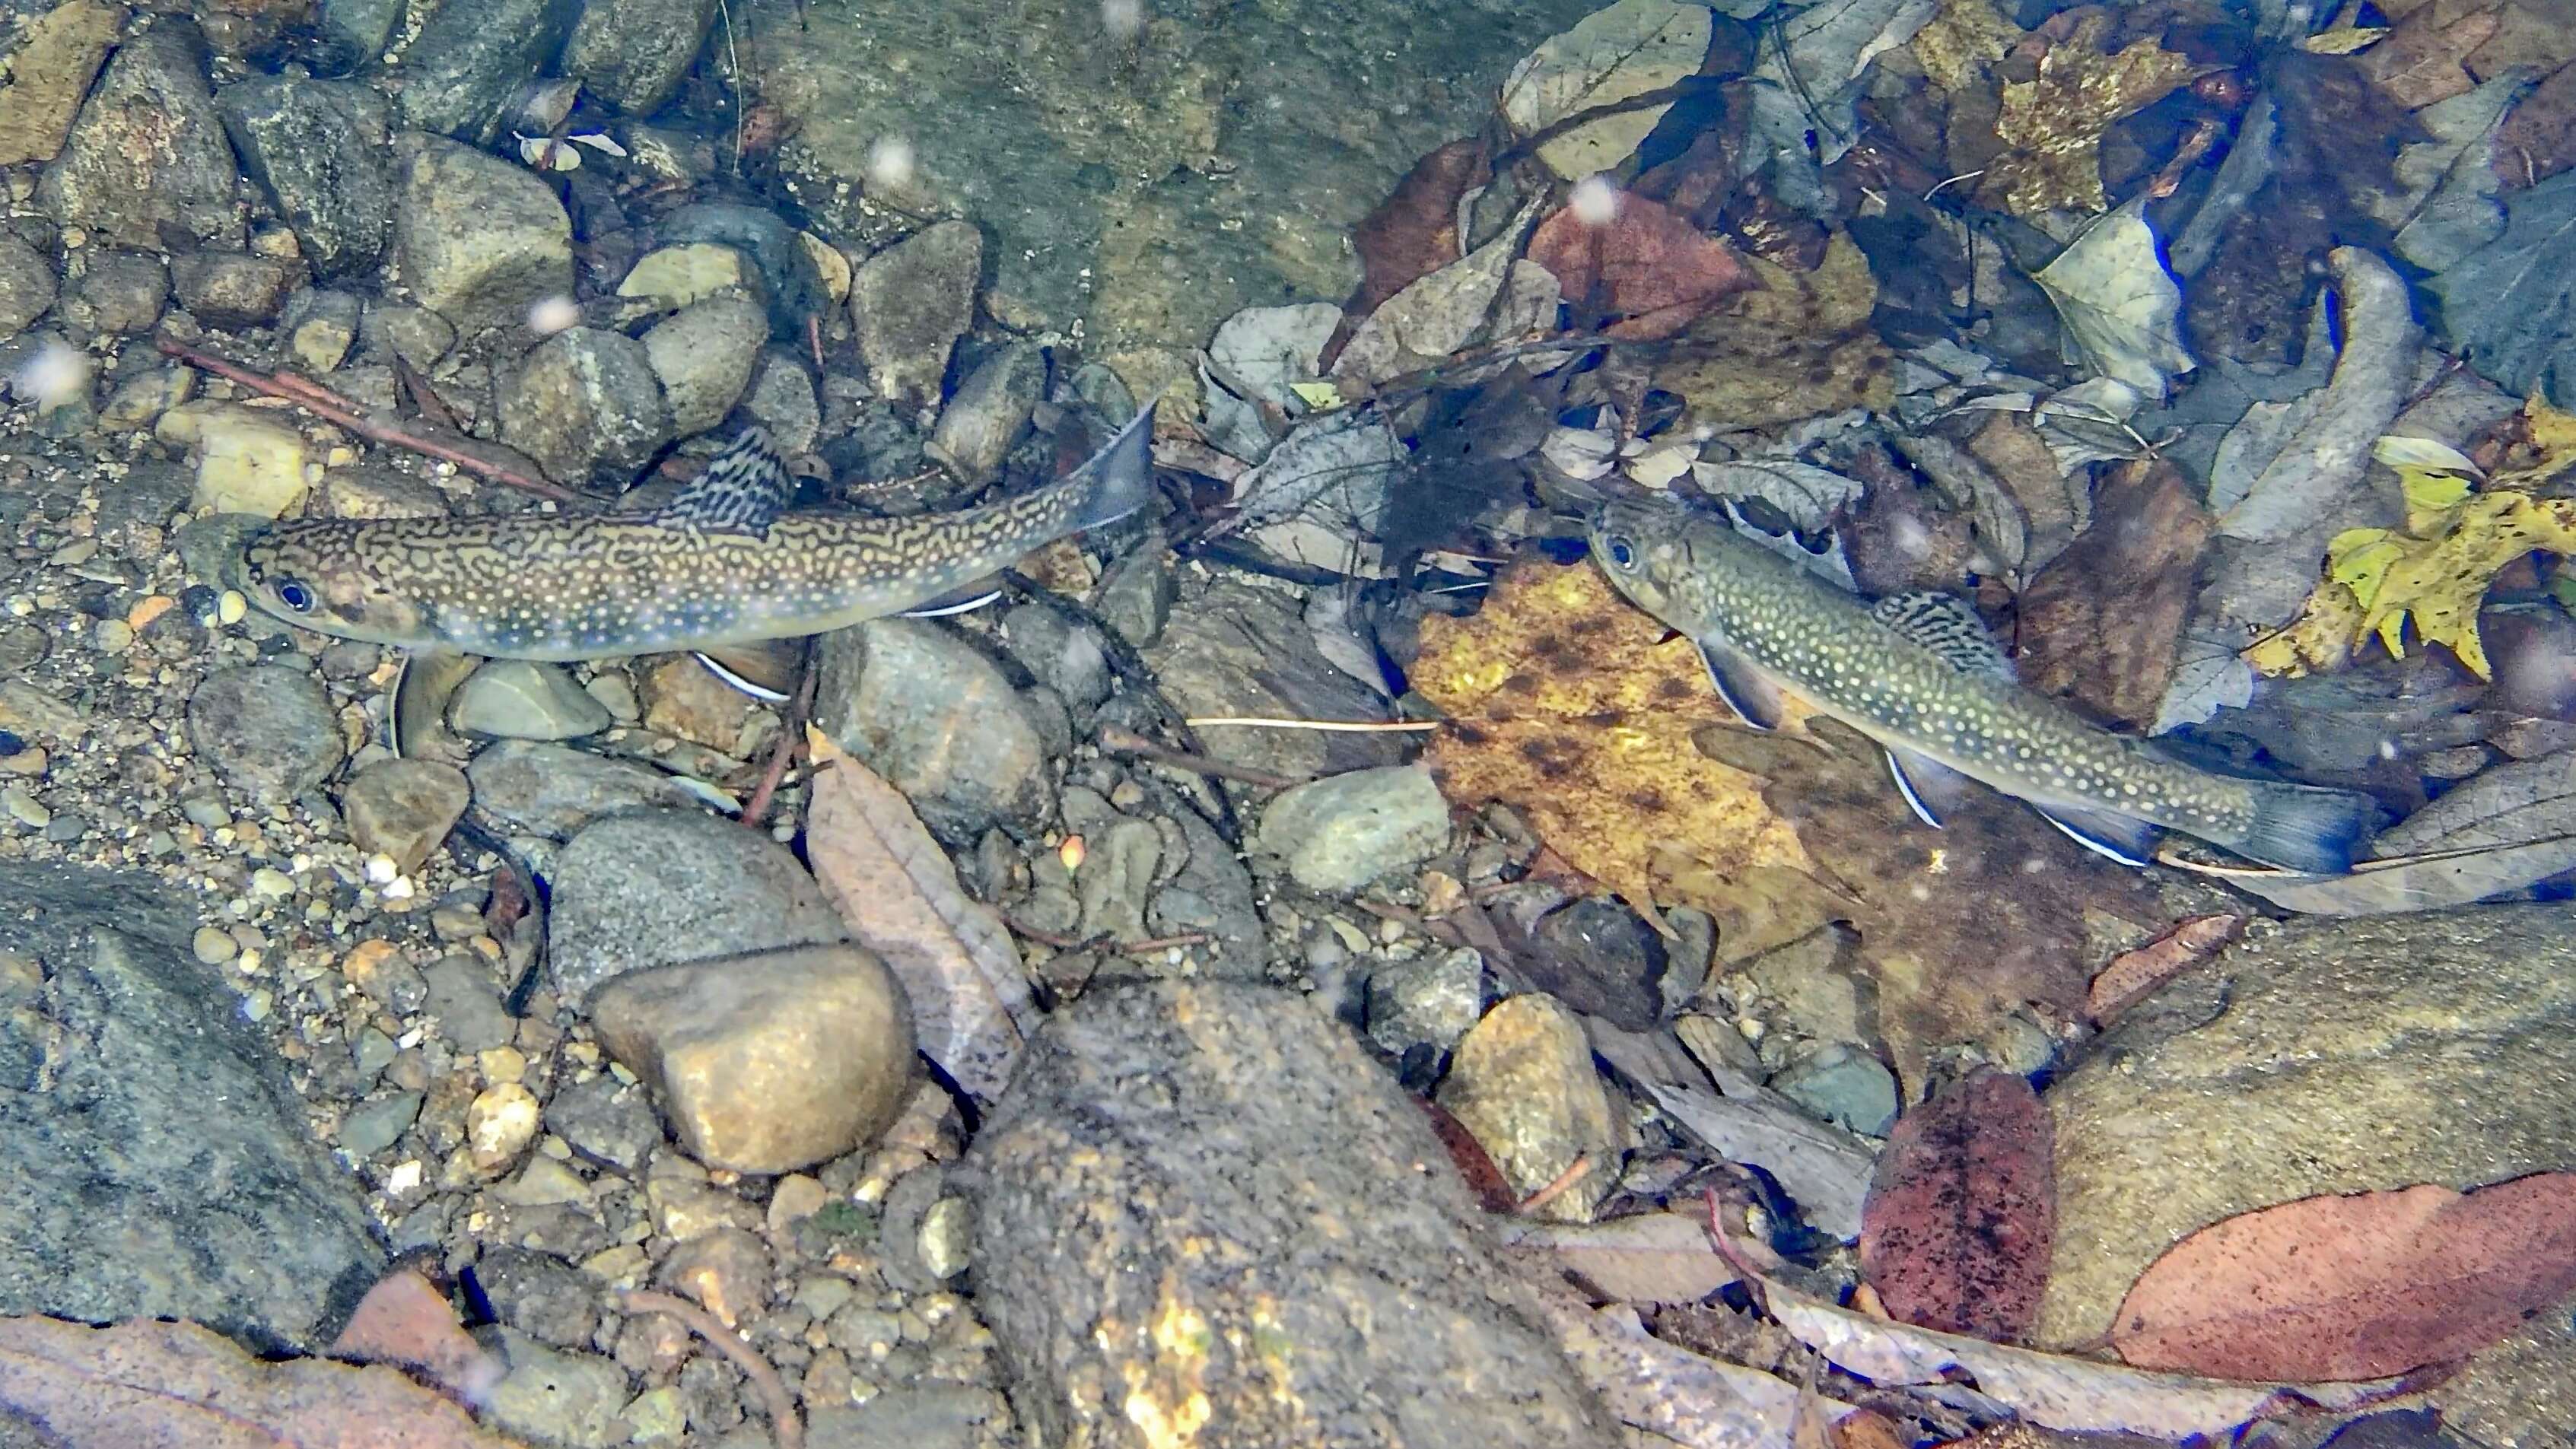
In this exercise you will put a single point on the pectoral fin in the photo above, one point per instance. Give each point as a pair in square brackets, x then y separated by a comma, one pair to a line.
[766, 670]
[416, 725]
[1927, 785]
[1744, 688]
[2123, 838]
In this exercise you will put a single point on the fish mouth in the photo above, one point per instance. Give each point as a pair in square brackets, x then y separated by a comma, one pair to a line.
[212, 548]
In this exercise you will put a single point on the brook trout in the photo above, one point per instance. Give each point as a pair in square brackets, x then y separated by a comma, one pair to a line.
[722, 564]
[1919, 674]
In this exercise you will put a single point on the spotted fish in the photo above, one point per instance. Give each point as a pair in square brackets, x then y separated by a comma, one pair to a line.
[1919, 674]
[723, 564]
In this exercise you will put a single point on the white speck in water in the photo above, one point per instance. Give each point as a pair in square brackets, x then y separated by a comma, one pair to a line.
[890, 163]
[552, 315]
[57, 374]
[1595, 201]
[1123, 19]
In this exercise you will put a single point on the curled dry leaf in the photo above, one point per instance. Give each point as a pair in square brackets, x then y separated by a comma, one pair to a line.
[2103, 623]
[1962, 1209]
[2133, 976]
[2050, 1390]
[1646, 267]
[2349, 1287]
[149, 1383]
[897, 891]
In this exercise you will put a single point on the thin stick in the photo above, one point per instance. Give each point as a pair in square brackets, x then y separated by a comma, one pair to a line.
[791, 738]
[1128, 742]
[1342, 726]
[373, 432]
[786, 1430]
[1558, 1186]
[1062, 942]
[814, 338]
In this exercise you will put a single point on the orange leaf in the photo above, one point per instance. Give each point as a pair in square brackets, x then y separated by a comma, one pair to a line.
[2133, 976]
[2355, 1287]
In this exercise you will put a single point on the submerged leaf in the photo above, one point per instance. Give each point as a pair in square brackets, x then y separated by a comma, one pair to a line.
[1962, 1210]
[2352, 1287]
[1622, 50]
[1646, 267]
[2119, 303]
[897, 891]
[2055, 123]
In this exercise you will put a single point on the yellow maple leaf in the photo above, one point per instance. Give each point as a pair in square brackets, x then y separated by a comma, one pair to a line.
[2434, 574]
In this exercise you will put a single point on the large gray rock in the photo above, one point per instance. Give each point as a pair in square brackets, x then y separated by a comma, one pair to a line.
[148, 150]
[471, 59]
[2329, 1056]
[1178, 1143]
[663, 887]
[27, 284]
[123, 1194]
[632, 53]
[478, 240]
[318, 149]
[922, 707]
[790, 282]
[1339, 834]
[1083, 156]
[1239, 649]
[586, 405]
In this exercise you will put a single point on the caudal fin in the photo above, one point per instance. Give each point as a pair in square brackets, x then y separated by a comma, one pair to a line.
[2305, 828]
[1121, 474]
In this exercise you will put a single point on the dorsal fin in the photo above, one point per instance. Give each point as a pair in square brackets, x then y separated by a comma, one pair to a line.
[743, 489]
[1948, 626]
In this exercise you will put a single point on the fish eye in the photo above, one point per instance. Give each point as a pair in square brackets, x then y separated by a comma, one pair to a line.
[294, 595]
[1621, 551]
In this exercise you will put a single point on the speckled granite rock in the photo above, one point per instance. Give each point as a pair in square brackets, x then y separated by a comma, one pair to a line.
[1228, 1158]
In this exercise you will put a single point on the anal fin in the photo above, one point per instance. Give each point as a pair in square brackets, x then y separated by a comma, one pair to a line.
[964, 599]
[2123, 838]
[1753, 697]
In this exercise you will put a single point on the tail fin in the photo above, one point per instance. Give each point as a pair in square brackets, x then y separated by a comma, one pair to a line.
[2305, 828]
[1121, 473]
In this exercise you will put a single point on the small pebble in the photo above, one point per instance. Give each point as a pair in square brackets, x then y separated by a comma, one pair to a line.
[215, 947]
[24, 809]
[499, 1125]
[112, 636]
[231, 607]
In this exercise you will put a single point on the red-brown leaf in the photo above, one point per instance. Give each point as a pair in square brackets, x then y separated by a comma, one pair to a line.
[2355, 1287]
[1646, 266]
[406, 1322]
[2132, 976]
[1962, 1210]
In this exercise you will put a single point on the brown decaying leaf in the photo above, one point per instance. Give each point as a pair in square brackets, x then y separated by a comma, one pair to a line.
[1796, 345]
[1411, 234]
[898, 893]
[1645, 266]
[1962, 1209]
[153, 1385]
[2055, 123]
[2102, 624]
[2133, 976]
[2421, 60]
[406, 1322]
[1483, 1178]
[2538, 137]
[1567, 704]
[2352, 1287]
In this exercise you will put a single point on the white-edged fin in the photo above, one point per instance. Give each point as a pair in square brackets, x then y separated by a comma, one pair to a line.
[963, 600]
[1121, 473]
[743, 682]
[742, 490]
[2123, 838]
[1929, 786]
[1754, 698]
[1948, 626]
